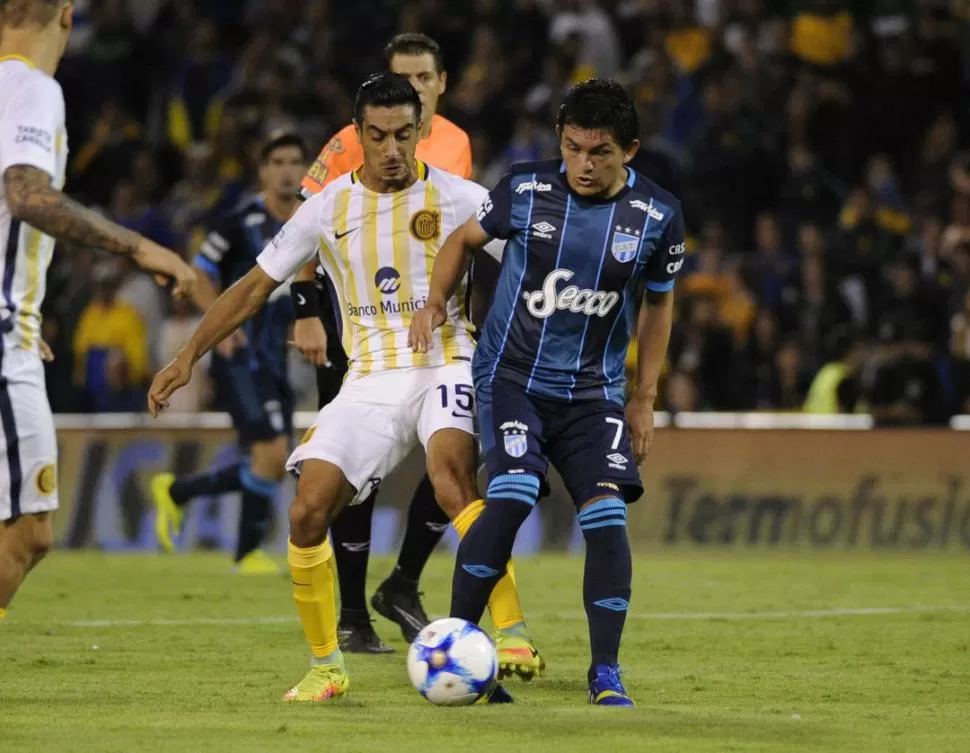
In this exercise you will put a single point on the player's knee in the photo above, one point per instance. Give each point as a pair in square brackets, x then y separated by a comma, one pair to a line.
[33, 538]
[309, 521]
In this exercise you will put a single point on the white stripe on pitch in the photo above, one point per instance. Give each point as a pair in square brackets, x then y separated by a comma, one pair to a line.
[646, 616]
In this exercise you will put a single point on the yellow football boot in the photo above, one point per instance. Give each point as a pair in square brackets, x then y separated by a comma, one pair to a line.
[257, 562]
[517, 655]
[321, 683]
[168, 515]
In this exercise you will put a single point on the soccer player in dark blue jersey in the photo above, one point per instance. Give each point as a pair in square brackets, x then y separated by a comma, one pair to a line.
[249, 368]
[592, 248]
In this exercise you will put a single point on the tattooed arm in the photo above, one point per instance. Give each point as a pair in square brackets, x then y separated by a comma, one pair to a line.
[32, 199]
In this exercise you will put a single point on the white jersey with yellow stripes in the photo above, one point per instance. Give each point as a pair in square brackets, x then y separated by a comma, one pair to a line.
[379, 250]
[32, 133]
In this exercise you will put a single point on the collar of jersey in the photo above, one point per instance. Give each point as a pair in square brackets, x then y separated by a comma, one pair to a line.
[631, 179]
[26, 61]
[422, 172]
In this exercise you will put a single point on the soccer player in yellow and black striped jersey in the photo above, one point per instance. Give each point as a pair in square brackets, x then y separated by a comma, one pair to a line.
[34, 216]
[377, 232]
[443, 145]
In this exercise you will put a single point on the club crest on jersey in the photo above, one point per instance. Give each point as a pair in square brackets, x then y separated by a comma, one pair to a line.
[426, 225]
[516, 438]
[47, 479]
[625, 244]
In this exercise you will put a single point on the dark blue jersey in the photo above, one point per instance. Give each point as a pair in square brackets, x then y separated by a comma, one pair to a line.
[572, 279]
[227, 254]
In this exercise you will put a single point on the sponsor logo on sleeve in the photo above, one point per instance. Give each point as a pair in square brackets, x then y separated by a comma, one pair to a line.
[36, 136]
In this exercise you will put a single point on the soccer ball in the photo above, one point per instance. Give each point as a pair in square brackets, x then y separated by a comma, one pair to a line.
[452, 662]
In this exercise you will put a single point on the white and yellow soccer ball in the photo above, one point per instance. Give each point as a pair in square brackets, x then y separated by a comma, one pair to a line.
[453, 663]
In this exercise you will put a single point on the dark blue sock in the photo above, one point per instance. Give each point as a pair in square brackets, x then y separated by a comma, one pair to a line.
[486, 548]
[218, 481]
[256, 513]
[351, 532]
[427, 523]
[608, 575]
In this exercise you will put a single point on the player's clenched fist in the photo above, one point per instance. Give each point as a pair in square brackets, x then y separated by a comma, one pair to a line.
[166, 382]
[310, 338]
[423, 324]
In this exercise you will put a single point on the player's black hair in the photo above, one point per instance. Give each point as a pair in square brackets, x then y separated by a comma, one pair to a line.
[278, 141]
[413, 43]
[385, 90]
[600, 104]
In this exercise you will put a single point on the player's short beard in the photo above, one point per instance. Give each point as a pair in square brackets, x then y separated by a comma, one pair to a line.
[398, 184]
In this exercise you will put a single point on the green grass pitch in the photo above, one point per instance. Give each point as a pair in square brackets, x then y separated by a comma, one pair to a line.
[723, 652]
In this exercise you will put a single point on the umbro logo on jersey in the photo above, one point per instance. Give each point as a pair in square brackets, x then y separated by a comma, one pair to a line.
[648, 208]
[533, 185]
[344, 234]
[543, 230]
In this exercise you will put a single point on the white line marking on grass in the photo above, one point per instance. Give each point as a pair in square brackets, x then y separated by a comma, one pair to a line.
[797, 614]
[646, 616]
[192, 622]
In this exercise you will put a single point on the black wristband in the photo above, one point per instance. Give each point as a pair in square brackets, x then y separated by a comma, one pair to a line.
[306, 304]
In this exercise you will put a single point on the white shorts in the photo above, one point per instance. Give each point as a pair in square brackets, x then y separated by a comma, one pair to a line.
[376, 420]
[28, 445]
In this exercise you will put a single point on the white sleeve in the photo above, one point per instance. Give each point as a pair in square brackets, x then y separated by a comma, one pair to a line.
[296, 243]
[29, 123]
[470, 198]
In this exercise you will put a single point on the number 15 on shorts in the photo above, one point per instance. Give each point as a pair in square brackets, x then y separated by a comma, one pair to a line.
[459, 398]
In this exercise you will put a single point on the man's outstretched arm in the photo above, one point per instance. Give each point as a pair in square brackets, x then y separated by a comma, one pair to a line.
[33, 200]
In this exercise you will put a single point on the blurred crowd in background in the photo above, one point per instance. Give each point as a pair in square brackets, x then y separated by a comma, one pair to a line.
[816, 147]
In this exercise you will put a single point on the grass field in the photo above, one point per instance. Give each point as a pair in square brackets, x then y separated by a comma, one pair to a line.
[723, 653]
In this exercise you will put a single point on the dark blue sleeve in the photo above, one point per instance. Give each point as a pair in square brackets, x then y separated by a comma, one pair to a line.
[495, 213]
[219, 249]
[668, 257]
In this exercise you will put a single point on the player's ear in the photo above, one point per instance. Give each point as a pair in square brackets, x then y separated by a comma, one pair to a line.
[631, 151]
[442, 82]
[358, 129]
[66, 19]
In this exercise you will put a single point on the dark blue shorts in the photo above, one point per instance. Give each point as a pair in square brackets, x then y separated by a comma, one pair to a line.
[587, 441]
[260, 403]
